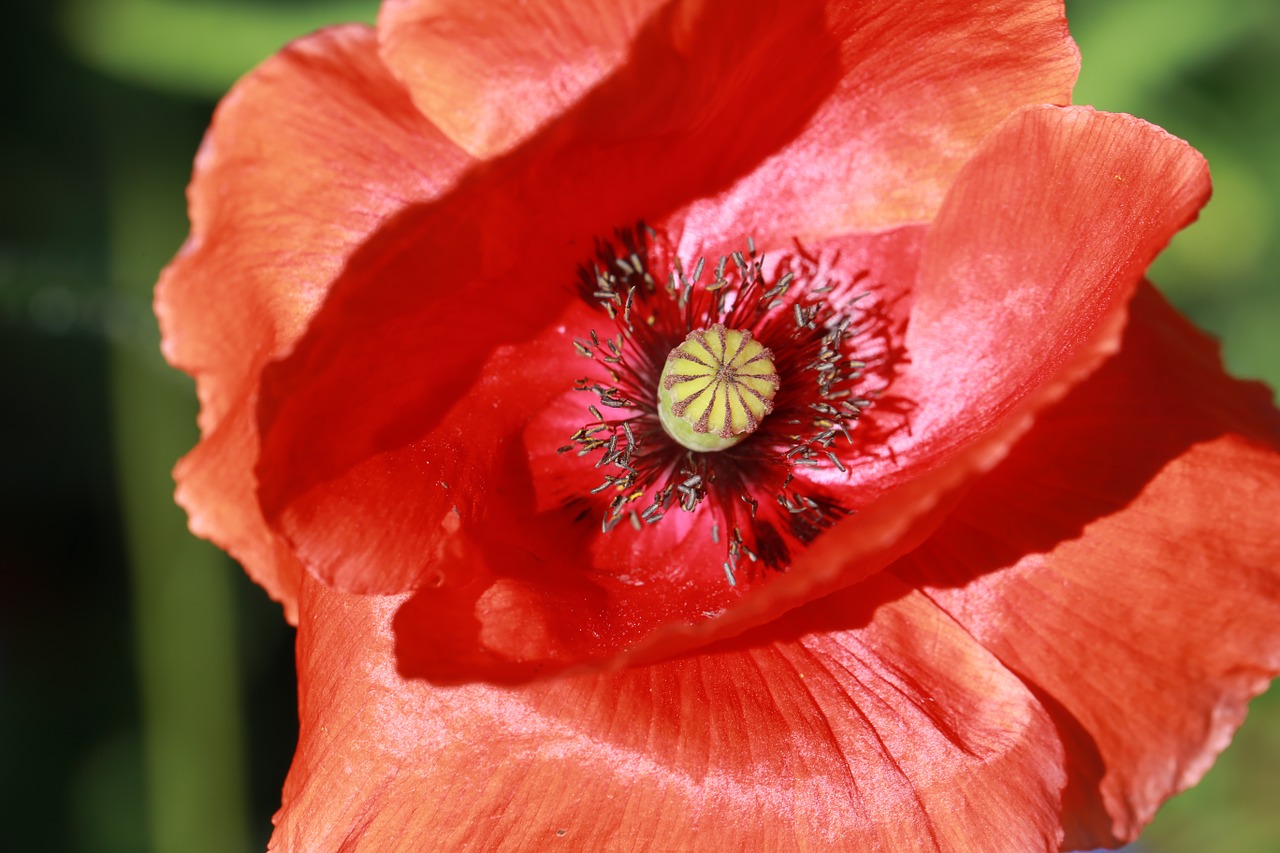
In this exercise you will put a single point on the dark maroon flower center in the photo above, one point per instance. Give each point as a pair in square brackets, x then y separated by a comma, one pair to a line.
[777, 486]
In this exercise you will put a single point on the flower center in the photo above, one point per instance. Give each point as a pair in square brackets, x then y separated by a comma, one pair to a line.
[715, 388]
[692, 365]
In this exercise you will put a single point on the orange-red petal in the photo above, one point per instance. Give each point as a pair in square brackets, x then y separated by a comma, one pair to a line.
[867, 721]
[1044, 236]
[1018, 238]
[1123, 561]
[306, 156]
[1020, 295]
[490, 74]
[438, 292]
[919, 89]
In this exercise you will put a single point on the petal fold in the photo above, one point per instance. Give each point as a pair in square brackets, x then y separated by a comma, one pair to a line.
[445, 287]
[377, 525]
[490, 74]
[1123, 560]
[1020, 294]
[918, 93]
[1042, 240]
[869, 721]
[305, 157]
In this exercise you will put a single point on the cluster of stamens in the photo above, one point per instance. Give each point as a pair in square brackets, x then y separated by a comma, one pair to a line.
[725, 388]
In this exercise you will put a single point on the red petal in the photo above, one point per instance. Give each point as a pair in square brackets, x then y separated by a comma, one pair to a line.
[424, 305]
[919, 89]
[515, 581]
[489, 74]
[1123, 561]
[868, 721]
[494, 563]
[1042, 239]
[425, 511]
[918, 92]
[1033, 255]
[305, 157]
[663, 131]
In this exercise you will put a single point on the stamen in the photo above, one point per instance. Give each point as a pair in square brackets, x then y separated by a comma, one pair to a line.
[691, 365]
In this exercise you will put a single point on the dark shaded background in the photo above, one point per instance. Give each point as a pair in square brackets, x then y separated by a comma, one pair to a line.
[146, 687]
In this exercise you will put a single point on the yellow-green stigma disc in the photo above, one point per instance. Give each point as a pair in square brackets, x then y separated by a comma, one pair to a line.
[716, 388]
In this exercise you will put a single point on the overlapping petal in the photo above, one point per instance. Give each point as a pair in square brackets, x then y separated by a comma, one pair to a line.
[1044, 236]
[916, 95]
[918, 92]
[489, 74]
[738, 82]
[306, 157]
[866, 721]
[492, 265]
[1041, 562]
[468, 524]
[1123, 561]
[378, 304]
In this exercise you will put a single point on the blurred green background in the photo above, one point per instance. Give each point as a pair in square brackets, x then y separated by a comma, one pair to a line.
[146, 687]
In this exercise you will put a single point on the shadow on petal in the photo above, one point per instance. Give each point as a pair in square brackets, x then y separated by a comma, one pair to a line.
[1122, 562]
[422, 305]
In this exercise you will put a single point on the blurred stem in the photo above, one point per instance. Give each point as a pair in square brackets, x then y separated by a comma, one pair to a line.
[183, 604]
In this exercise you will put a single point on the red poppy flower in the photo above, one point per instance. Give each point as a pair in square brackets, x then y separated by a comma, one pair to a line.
[987, 564]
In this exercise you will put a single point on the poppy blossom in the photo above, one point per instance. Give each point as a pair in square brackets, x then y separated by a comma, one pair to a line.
[720, 426]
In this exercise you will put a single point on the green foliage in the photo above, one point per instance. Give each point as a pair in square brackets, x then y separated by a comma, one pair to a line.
[195, 47]
[1206, 71]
